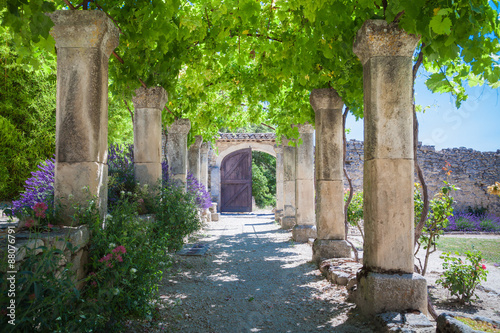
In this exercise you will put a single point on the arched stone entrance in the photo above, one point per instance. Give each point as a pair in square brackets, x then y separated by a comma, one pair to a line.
[229, 143]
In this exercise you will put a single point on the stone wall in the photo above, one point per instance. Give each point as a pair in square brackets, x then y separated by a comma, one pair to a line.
[472, 172]
[77, 236]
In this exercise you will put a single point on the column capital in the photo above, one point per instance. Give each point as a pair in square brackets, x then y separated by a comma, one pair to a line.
[285, 142]
[179, 126]
[278, 149]
[84, 29]
[325, 99]
[198, 140]
[305, 128]
[205, 147]
[154, 97]
[377, 38]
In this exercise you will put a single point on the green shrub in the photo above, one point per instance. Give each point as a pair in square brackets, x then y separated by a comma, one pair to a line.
[263, 179]
[462, 278]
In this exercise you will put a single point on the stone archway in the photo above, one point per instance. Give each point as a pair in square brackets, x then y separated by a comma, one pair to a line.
[229, 143]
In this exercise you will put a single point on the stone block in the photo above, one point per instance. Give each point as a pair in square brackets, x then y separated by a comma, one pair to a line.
[388, 116]
[77, 183]
[330, 248]
[330, 209]
[29, 247]
[388, 211]
[302, 233]
[80, 237]
[288, 222]
[304, 200]
[325, 99]
[214, 217]
[150, 98]
[379, 292]
[148, 173]
[147, 135]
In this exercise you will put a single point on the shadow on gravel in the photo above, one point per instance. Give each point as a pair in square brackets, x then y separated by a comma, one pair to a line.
[254, 281]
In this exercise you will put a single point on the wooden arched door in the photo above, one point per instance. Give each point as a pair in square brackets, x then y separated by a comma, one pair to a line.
[236, 181]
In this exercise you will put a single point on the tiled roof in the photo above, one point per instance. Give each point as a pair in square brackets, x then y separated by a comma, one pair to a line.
[247, 136]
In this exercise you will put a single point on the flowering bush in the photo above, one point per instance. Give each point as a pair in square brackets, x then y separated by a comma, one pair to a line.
[120, 172]
[203, 199]
[461, 278]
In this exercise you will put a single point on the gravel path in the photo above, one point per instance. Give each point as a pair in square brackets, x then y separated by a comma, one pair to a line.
[253, 279]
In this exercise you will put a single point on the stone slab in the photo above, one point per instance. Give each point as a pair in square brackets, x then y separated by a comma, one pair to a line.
[214, 217]
[330, 248]
[287, 222]
[330, 209]
[302, 233]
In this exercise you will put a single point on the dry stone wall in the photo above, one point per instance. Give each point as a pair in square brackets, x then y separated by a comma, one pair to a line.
[472, 172]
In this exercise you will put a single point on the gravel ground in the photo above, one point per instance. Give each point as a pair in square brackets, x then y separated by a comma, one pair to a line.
[253, 279]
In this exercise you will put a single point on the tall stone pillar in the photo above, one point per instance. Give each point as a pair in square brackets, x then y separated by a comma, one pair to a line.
[194, 157]
[279, 182]
[215, 185]
[330, 243]
[177, 149]
[387, 282]
[148, 104]
[288, 220]
[205, 146]
[305, 227]
[84, 42]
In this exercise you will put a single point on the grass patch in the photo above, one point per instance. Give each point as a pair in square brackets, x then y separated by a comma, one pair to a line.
[489, 247]
[478, 325]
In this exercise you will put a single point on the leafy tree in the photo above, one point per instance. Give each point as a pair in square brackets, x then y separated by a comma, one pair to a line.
[263, 179]
[27, 116]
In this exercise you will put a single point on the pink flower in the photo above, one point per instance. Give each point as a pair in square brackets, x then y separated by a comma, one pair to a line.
[40, 209]
[141, 200]
[119, 258]
[29, 223]
[50, 225]
[94, 283]
[110, 265]
[120, 248]
[106, 257]
[483, 266]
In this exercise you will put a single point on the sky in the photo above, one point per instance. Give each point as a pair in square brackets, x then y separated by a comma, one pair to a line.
[475, 125]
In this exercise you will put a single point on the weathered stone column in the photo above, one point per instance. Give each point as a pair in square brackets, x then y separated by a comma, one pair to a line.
[387, 282]
[205, 146]
[84, 42]
[330, 243]
[177, 149]
[288, 220]
[194, 157]
[305, 227]
[279, 182]
[148, 104]
[215, 185]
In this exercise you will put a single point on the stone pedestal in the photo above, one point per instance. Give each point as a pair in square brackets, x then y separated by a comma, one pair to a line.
[288, 219]
[177, 149]
[148, 104]
[330, 243]
[305, 226]
[205, 146]
[279, 182]
[84, 42]
[194, 157]
[386, 54]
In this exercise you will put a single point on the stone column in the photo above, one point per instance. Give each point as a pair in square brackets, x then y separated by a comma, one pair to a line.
[205, 146]
[194, 157]
[177, 149]
[215, 185]
[305, 227]
[387, 282]
[148, 104]
[288, 220]
[84, 42]
[330, 243]
[279, 182]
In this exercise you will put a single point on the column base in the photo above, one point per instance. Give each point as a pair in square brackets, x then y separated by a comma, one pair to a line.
[287, 222]
[380, 292]
[330, 248]
[277, 215]
[302, 233]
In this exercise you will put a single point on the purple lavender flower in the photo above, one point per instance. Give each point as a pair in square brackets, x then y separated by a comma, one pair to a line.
[38, 188]
[203, 198]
